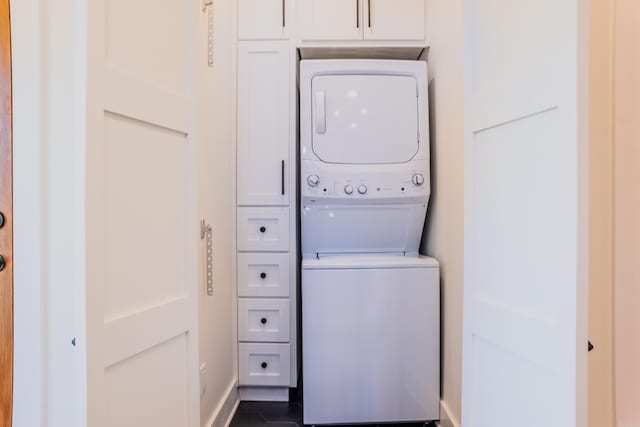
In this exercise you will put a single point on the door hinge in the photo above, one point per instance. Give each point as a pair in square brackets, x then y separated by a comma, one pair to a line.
[206, 3]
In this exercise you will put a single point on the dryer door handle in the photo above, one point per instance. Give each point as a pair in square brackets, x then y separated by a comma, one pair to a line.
[321, 112]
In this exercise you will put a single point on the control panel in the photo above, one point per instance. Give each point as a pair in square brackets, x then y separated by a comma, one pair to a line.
[361, 184]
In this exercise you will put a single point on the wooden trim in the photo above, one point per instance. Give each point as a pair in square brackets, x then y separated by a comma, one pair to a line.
[6, 208]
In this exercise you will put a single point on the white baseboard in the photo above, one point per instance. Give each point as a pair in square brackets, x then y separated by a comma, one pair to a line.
[446, 417]
[226, 409]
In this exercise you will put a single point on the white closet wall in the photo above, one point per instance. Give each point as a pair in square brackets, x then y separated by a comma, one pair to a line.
[444, 231]
[217, 159]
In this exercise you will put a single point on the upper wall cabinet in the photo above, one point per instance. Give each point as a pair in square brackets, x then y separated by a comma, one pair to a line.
[265, 19]
[351, 20]
[330, 19]
[394, 19]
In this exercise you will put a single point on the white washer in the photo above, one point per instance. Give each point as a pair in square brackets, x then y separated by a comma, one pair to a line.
[370, 303]
[370, 339]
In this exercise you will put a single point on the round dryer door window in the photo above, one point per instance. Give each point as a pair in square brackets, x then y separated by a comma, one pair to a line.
[365, 119]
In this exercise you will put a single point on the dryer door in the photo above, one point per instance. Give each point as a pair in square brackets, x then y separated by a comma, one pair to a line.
[365, 119]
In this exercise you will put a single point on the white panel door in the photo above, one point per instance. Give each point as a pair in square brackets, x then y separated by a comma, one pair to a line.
[264, 19]
[320, 20]
[524, 312]
[264, 123]
[394, 19]
[141, 223]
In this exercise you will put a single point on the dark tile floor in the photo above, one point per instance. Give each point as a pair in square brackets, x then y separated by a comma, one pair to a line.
[277, 414]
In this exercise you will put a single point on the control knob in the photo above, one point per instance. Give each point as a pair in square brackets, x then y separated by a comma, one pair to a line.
[418, 179]
[348, 189]
[313, 180]
[362, 189]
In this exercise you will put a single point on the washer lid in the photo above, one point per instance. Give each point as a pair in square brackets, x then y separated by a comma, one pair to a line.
[365, 119]
[367, 261]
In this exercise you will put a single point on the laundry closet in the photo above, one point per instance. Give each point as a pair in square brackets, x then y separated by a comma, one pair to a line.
[213, 244]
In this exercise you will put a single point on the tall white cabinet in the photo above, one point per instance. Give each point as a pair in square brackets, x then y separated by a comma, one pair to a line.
[266, 188]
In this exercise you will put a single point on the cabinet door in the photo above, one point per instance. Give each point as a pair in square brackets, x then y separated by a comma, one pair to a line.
[330, 20]
[394, 19]
[264, 122]
[264, 19]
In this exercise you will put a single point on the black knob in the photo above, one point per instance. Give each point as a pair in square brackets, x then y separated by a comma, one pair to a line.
[263, 275]
[264, 365]
[1, 220]
[263, 321]
[263, 229]
[3, 263]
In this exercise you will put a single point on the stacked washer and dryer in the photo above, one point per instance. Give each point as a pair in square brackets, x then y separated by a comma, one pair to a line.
[370, 302]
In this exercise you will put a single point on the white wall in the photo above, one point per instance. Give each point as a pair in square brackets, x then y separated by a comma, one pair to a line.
[601, 403]
[444, 232]
[217, 204]
[627, 212]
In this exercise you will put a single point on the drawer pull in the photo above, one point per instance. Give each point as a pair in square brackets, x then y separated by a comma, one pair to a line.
[1, 220]
[263, 320]
[263, 275]
[263, 229]
[3, 263]
[264, 365]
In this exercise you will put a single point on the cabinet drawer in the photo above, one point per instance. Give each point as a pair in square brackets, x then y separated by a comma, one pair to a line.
[263, 320]
[263, 275]
[263, 229]
[264, 364]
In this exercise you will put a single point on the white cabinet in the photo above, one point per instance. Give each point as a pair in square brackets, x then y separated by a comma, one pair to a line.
[351, 20]
[265, 19]
[264, 123]
[394, 19]
[330, 19]
[266, 184]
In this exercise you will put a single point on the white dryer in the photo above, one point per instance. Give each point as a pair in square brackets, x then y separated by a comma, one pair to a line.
[370, 303]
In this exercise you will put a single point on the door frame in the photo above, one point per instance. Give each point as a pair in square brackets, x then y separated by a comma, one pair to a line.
[47, 365]
[6, 219]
